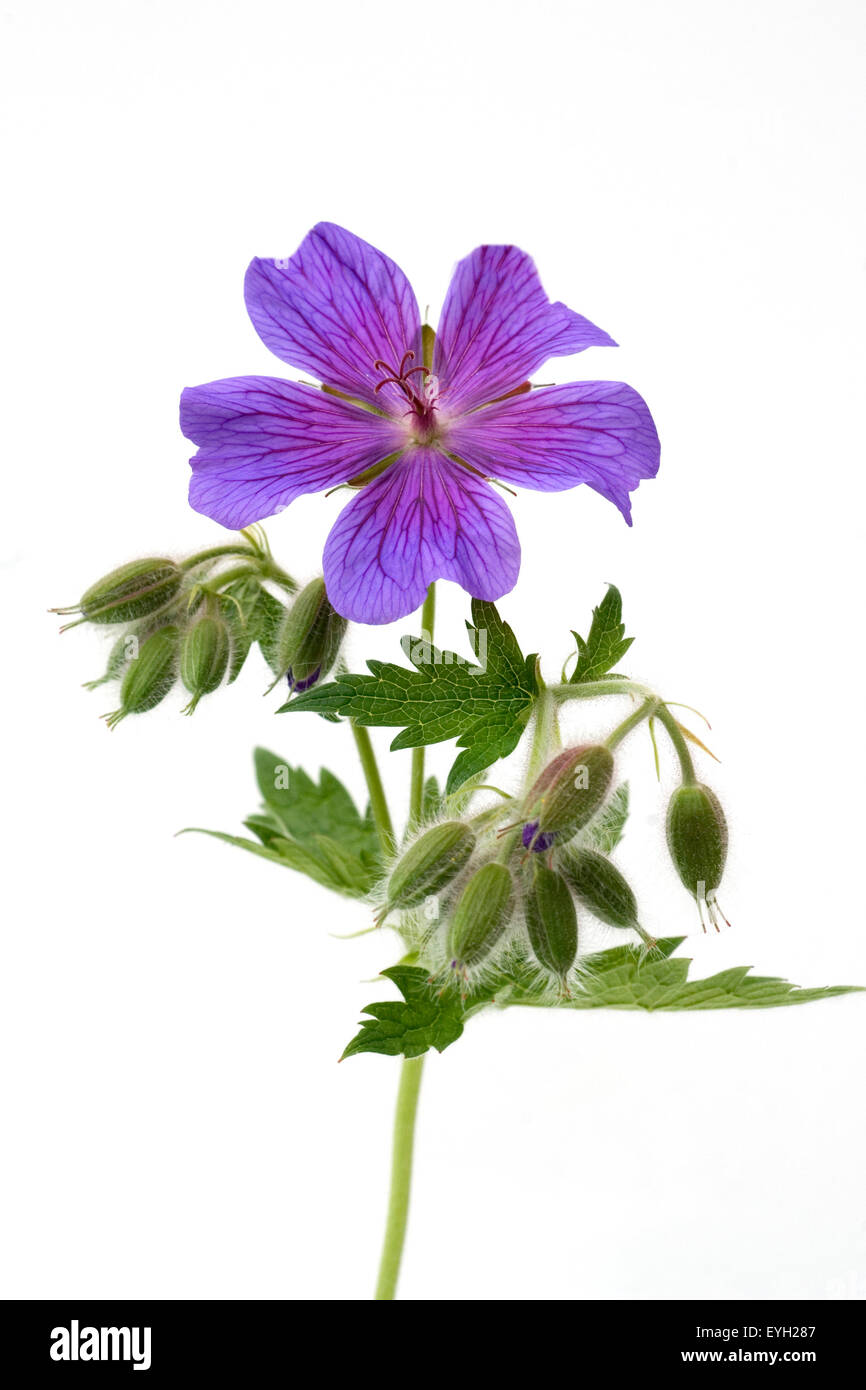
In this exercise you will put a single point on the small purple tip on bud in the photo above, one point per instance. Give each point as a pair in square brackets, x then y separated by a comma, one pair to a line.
[296, 687]
[538, 843]
[309, 638]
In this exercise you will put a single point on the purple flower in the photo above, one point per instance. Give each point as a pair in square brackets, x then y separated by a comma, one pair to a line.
[428, 436]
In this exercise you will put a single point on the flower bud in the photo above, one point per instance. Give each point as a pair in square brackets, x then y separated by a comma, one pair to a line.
[204, 657]
[697, 838]
[309, 638]
[600, 886]
[430, 864]
[551, 920]
[567, 795]
[130, 592]
[482, 913]
[149, 677]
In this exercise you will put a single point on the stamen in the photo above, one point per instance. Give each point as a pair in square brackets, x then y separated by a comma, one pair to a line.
[420, 400]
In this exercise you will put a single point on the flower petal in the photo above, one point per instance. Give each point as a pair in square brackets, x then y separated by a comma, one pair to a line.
[424, 518]
[595, 432]
[263, 442]
[335, 308]
[498, 327]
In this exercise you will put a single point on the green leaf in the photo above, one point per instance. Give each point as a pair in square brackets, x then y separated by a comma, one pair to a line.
[606, 830]
[323, 861]
[622, 979]
[606, 643]
[484, 705]
[306, 809]
[312, 827]
[426, 1018]
[265, 827]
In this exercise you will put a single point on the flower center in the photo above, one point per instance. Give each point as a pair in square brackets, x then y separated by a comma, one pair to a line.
[421, 395]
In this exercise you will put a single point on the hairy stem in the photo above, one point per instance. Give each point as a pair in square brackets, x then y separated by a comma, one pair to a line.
[271, 570]
[373, 778]
[592, 689]
[416, 786]
[675, 735]
[401, 1177]
[642, 712]
[543, 733]
[215, 553]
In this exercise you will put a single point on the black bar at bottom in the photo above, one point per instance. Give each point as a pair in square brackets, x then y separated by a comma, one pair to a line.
[241, 1342]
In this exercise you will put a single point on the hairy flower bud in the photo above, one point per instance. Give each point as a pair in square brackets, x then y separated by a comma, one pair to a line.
[204, 657]
[551, 921]
[482, 913]
[697, 836]
[309, 638]
[130, 592]
[430, 864]
[600, 886]
[567, 795]
[149, 677]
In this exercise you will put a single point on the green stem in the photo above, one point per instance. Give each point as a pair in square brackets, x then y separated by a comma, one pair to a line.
[271, 570]
[543, 734]
[591, 690]
[219, 581]
[416, 785]
[675, 735]
[378, 803]
[401, 1177]
[215, 553]
[637, 717]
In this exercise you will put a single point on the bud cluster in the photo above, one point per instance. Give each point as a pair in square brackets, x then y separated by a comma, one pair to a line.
[471, 897]
[196, 620]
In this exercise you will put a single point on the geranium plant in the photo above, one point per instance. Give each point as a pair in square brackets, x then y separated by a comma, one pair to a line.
[487, 890]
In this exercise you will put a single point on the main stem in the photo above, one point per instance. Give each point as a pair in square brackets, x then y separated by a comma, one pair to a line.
[401, 1177]
[410, 1073]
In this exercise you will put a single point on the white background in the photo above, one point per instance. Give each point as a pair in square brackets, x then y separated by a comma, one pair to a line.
[689, 176]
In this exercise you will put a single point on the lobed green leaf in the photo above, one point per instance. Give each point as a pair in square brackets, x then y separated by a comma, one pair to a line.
[620, 978]
[606, 642]
[407, 1028]
[485, 705]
